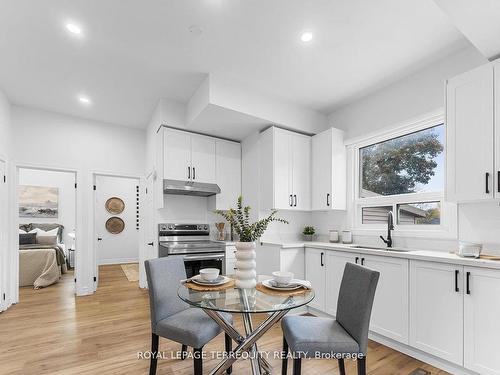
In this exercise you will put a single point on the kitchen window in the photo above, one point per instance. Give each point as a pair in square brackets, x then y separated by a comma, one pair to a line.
[403, 171]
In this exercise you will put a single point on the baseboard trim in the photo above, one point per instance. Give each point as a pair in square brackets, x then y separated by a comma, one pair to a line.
[107, 262]
[410, 351]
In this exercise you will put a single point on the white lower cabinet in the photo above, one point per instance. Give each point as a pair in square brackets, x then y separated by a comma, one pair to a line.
[315, 273]
[335, 264]
[436, 309]
[482, 320]
[390, 307]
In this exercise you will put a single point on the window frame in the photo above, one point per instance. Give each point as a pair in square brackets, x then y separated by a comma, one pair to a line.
[448, 220]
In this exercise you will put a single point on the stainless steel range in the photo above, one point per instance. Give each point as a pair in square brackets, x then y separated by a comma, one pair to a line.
[192, 241]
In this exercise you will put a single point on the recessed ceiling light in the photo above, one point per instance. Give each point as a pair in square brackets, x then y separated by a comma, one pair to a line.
[74, 28]
[306, 36]
[84, 99]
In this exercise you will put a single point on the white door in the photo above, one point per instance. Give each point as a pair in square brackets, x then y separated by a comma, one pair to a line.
[121, 247]
[315, 273]
[228, 170]
[301, 172]
[3, 234]
[321, 167]
[203, 159]
[335, 264]
[469, 135]
[282, 169]
[436, 309]
[481, 320]
[390, 307]
[177, 155]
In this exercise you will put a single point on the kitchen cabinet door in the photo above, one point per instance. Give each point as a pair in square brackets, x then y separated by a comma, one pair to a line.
[436, 309]
[301, 171]
[292, 260]
[228, 173]
[203, 159]
[335, 264]
[481, 320]
[177, 155]
[282, 169]
[390, 306]
[470, 136]
[496, 176]
[315, 273]
[321, 168]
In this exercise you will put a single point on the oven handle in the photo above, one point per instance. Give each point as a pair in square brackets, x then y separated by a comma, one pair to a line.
[204, 257]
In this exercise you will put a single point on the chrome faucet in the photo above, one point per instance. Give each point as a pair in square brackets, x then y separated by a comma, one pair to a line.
[390, 227]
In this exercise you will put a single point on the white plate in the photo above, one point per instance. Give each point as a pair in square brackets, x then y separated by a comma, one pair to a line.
[268, 284]
[219, 281]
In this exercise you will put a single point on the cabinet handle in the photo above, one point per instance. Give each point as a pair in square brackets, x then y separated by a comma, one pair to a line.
[498, 181]
[194, 173]
[467, 282]
[327, 199]
[291, 200]
[487, 183]
[150, 243]
[189, 173]
[456, 281]
[295, 198]
[356, 260]
[322, 264]
[362, 261]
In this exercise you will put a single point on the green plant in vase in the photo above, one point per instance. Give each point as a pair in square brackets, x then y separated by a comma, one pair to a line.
[309, 232]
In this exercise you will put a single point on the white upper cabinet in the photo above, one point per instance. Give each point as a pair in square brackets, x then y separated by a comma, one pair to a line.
[228, 173]
[188, 157]
[481, 323]
[329, 171]
[202, 159]
[177, 155]
[470, 136]
[436, 309]
[285, 160]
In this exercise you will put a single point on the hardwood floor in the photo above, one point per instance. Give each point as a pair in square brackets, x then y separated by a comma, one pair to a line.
[51, 332]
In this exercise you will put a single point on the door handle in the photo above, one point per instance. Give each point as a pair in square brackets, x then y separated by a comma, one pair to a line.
[362, 261]
[291, 200]
[151, 243]
[456, 281]
[322, 264]
[194, 173]
[356, 260]
[189, 173]
[328, 199]
[487, 183]
[295, 197]
[467, 283]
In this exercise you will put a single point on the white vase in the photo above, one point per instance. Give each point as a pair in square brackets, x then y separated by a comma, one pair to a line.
[246, 275]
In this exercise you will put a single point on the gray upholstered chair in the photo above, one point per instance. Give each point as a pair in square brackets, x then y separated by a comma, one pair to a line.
[307, 335]
[172, 318]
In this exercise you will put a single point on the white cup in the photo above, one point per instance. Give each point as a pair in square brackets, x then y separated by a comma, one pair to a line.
[282, 277]
[209, 274]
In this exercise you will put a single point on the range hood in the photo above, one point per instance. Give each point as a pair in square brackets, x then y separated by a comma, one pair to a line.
[198, 189]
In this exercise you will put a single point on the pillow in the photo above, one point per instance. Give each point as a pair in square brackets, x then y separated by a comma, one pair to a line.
[27, 238]
[46, 240]
[39, 232]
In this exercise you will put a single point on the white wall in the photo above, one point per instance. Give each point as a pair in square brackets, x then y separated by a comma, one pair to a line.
[4, 126]
[411, 97]
[65, 182]
[49, 139]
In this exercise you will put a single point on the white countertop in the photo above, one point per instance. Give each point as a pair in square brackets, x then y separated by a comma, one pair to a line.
[428, 255]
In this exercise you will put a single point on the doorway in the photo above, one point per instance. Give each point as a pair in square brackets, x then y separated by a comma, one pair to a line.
[47, 217]
[117, 223]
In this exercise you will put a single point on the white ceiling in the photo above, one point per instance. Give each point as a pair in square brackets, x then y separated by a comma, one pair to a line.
[134, 52]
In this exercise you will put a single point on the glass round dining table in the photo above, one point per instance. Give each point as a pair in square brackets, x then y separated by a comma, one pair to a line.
[245, 302]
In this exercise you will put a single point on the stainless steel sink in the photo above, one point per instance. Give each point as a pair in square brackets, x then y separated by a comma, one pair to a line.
[394, 249]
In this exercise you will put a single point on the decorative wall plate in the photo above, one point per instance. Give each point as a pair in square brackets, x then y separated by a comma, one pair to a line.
[115, 205]
[115, 225]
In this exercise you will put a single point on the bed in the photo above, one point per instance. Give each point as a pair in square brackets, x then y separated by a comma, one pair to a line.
[42, 257]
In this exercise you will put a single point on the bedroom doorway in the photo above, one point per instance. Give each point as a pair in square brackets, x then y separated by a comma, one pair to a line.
[117, 224]
[47, 217]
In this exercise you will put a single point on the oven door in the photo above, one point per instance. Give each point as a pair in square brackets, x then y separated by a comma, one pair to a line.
[195, 262]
